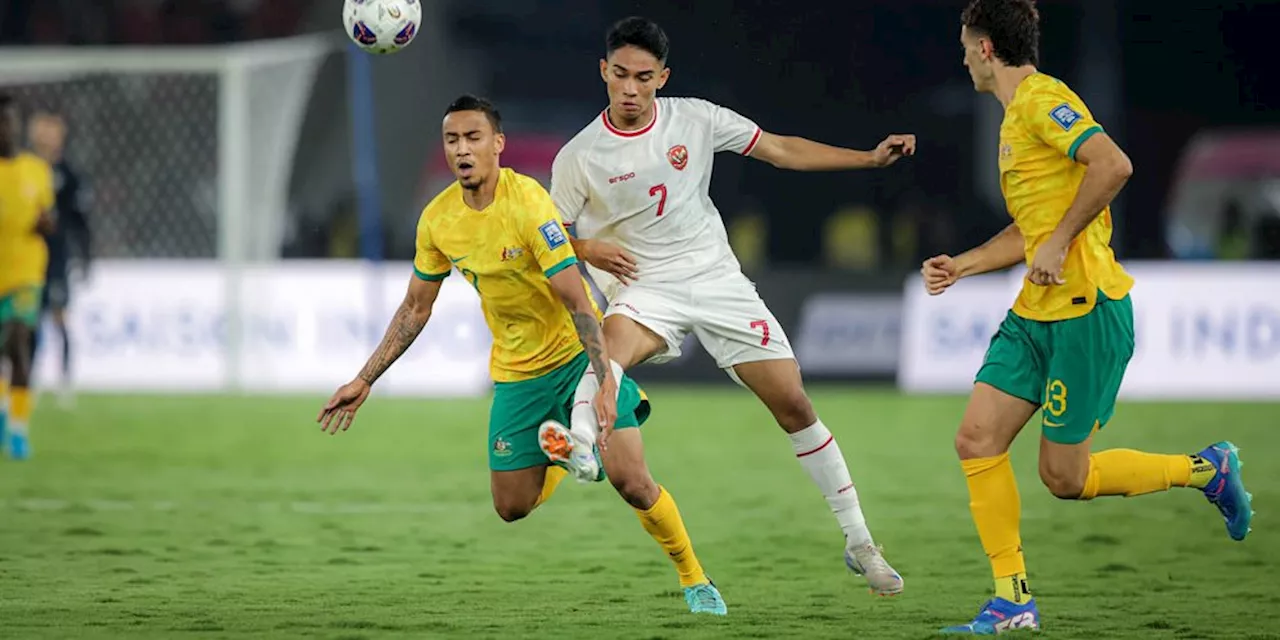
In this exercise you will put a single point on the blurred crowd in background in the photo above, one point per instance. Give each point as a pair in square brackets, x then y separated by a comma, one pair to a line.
[1189, 90]
[141, 22]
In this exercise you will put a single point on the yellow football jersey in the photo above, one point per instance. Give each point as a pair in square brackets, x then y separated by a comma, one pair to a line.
[26, 192]
[1044, 125]
[507, 252]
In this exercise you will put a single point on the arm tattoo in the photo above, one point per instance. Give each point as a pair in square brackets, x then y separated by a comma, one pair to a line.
[404, 328]
[589, 333]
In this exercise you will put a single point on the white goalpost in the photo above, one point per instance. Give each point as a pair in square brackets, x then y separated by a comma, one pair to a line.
[188, 148]
[232, 111]
[189, 152]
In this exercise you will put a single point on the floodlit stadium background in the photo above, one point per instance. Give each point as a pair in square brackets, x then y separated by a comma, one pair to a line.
[229, 155]
[255, 184]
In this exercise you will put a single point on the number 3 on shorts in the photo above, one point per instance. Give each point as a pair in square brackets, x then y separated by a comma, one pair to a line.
[1055, 403]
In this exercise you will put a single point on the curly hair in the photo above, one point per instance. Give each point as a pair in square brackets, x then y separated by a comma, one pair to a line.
[1012, 25]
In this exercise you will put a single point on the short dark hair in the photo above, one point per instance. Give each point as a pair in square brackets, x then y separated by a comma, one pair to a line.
[638, 32]
[7, 101]
[48, 109]
[1012, 25]
[468, 102]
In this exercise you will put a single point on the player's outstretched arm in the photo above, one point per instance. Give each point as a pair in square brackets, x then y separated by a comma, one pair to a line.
[802, 154]
[1003, 250]
[568, 284]
[406, 324]
[1107, 169]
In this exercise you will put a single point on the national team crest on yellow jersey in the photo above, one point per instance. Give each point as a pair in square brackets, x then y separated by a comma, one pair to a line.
[507, 252]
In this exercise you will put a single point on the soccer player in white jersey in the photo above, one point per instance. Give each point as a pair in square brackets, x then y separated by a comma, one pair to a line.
[633, 185]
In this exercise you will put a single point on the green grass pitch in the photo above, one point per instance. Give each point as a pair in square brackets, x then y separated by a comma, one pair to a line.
[224, 517]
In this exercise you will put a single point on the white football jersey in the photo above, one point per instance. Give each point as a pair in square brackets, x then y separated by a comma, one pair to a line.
[648, 190]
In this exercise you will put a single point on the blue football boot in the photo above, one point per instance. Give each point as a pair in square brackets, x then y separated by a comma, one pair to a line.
[19, 445]
[1000, 616]
[1226, 490]
[705, 598]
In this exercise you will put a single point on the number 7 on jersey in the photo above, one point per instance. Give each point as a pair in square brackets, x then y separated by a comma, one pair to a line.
[659, 190]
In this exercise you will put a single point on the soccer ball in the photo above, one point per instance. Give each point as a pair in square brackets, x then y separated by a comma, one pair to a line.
[382, 26]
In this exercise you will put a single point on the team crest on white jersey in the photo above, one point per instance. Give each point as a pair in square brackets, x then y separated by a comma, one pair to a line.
[678, 156]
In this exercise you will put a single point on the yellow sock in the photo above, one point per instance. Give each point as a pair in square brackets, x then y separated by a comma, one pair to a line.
[997, 510]
[1125, 472]
[1202, 472]
[549, 483]
[20, 407]
[663, 522]
[1013, 588]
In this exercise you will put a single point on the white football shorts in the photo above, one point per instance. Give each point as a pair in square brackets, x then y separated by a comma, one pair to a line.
[724, 311]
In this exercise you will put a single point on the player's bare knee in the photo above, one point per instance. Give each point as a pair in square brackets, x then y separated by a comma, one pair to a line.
[800, 413]
[793, 410]
[19, 355]
[1062, 476]
[512, 511]
[1064, 468]
[513, 507]
[627, 355]
[1062, 483]
[975, 441]
[629, 342]
[20, 376]
[638, 489]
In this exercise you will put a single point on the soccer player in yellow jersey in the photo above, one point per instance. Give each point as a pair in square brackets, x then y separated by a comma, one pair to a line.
[26, 212]
[501, 231]
[1063, 348]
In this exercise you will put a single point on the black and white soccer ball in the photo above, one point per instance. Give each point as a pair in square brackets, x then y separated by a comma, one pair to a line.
[382, 26]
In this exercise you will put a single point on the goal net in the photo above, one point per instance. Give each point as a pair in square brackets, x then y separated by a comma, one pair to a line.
[187, 153]
[187, 149]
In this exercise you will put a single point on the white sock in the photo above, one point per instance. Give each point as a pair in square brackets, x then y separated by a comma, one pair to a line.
[819, 454]
[583, 415]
